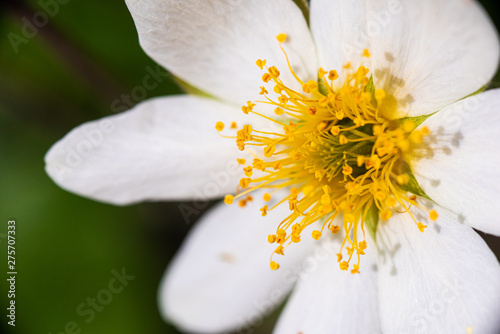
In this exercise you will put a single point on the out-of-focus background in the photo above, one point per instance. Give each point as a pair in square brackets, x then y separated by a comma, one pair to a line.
[69, 70]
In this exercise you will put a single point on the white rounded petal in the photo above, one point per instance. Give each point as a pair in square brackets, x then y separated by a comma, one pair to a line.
[221, 280]
[214, 45]
[426, 53]
[328, 300]
[162, 149]
[445, 280]
[461, 174]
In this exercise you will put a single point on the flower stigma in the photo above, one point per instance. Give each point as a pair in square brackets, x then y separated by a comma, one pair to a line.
[337, 150]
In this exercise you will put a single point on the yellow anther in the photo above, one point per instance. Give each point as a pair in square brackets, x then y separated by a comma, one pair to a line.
[281, 38]
[332, 75]
[366, 53]
[326, 199]
[381, 151]
[281, 233]
[359, 121]
[242, 203]
[324, 209]
[380, 94]
[335, 130]
[271, 238]
[386, 214]
[228, 199]
[391, 202]
[361, 73]
[258, 164]
[249, 198]
[362, 245]
[416, 137]
[334, 228]
[277, 165]
[295, 238]
[366, 97]
[307, 190]
[312, 110]
[310, 86]
[266, 197]
[321, 72]
[248, 171]
[425, 131]
[269, 150]
[360, 160]
[264, 210]
[249, 107]
[327, 189]
[355, 270]
[295, 155]
[433, 215]
[321, 126]
[279, 250]
[343, 140]
[261, 63]
[344, 265]
[421, 227]
[274, 72]
[347, 65]
[377, 130]
[316, 234]
[294, 191]
[380, 195]
[219, 126]
[373, 162]
[413, 199]
[263, 90]
[339, 257]
[266, 77]
[403, 179]
[234, 125]
[274, 265]
[278, 111]
[347, 170]
[278, 89]
[283, 99]
[241, 161]
[244, 182]
[404, 145]
[408, 126]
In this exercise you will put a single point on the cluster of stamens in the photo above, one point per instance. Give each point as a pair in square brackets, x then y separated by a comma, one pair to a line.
[339, 153]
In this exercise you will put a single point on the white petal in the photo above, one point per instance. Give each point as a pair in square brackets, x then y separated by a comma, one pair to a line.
[214, 45]
[442, 281]
[162, 149]
[328, 300]
[221, 280]
[426, 53]
[462, 172]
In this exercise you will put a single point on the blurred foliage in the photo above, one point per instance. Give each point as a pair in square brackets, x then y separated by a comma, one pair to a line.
[67, 246]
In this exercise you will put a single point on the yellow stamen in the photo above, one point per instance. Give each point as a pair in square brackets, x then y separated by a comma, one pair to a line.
[339, 151]
[219, 126]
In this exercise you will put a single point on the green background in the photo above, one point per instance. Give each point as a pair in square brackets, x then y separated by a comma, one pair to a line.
[67, 246]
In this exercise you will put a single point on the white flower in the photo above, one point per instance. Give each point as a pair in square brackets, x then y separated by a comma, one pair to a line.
[426, 56]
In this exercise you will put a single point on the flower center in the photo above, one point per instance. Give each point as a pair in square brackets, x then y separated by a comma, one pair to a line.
[336, 149]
